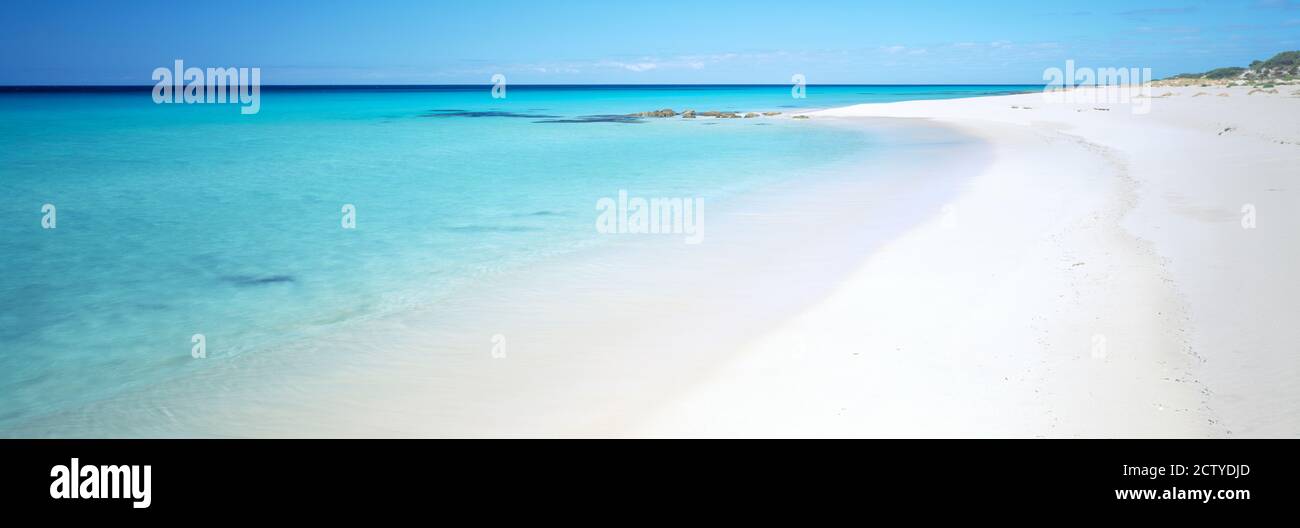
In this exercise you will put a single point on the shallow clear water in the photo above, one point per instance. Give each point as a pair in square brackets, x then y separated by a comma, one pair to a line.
[175, 220]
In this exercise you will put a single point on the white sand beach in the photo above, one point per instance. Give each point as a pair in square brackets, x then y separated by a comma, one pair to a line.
[1027, 269]
[1095, 280]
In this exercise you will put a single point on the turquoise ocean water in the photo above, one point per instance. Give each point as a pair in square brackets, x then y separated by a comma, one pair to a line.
[175, 220]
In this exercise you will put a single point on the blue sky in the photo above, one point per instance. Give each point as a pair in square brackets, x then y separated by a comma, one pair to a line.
[617, 41]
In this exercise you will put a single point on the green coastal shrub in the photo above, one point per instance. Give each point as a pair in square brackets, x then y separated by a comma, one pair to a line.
[1225, 73]
[1283, 66]
[1284, 60]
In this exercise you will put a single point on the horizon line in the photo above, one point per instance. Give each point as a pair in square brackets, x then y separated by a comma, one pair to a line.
[521, 85]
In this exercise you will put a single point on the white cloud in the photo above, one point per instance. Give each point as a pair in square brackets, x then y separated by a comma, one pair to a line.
[635, 66]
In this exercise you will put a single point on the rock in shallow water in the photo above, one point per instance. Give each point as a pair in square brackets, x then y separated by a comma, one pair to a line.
[667, 112]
